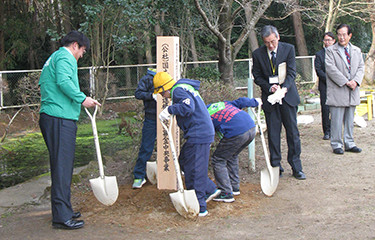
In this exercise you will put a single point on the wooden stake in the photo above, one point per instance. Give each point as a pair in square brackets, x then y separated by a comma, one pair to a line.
[167, 60]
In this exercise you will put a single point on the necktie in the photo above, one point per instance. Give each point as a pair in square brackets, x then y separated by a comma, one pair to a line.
[273, 61]
[347, 55]
[273, 58]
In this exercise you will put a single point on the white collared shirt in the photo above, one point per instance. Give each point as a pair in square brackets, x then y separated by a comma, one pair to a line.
[269, 52]
[69, 50]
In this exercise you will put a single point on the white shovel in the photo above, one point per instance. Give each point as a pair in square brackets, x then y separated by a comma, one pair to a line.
[105, 188]
[185, 201]
[269, 177]
[151, 172]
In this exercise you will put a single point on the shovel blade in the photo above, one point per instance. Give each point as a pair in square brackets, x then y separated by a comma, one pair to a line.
[151, 171]
[186, 203]
[269, 179]
[105, 189]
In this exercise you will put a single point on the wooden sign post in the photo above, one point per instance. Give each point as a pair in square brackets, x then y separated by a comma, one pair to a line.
[167, 60]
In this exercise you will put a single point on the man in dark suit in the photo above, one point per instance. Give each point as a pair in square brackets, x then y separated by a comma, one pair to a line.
[266, 60]
[328, 40]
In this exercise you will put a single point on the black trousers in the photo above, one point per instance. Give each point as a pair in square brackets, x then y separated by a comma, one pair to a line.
[60, 137]
[284, 115]
[326, 122]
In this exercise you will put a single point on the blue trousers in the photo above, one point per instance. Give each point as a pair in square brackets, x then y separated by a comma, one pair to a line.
[146, 149]
[193, 160]
[225, 160]
[60, 137]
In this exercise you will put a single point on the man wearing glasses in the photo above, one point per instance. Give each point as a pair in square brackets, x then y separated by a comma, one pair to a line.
[345, 71]
[320, 68]
[266, 61]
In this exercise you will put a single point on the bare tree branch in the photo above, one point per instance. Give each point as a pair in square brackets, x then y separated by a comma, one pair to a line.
[208, 23]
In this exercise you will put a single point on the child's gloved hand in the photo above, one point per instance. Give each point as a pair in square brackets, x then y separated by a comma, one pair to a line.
[259, 101]
[164, 115]
[155, 96]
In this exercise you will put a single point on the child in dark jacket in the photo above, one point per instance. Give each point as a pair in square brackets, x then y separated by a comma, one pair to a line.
[236, 130]
[145, 92]
[194, 120]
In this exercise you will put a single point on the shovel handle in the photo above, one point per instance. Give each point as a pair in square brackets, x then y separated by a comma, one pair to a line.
[96, 140]
[262, 137]
[180, 186]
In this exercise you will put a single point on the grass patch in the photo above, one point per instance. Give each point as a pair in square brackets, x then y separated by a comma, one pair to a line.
[25, 157]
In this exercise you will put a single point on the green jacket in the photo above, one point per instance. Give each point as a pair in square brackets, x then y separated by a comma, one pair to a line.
[59, 87]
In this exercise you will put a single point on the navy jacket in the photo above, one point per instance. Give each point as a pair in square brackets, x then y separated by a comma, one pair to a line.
[320, 69]
[262, 71]
[232, 121]
[191, 113]
[144, 92]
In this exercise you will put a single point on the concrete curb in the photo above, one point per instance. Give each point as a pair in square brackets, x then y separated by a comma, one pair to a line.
[29, 192]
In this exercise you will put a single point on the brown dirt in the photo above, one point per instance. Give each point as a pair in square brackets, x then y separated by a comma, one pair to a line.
[337, 201]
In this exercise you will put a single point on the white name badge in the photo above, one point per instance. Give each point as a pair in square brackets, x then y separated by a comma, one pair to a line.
[274, 80]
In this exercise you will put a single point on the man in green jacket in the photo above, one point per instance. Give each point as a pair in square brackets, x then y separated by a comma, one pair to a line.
[61, 100]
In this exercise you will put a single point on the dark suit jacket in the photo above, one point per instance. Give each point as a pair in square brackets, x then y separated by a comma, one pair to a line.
[320, 69]
[262, 71]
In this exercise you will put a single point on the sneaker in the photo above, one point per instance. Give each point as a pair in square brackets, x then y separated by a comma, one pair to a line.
[138, 183]
[224, 197]
[203, 214]
[213, 195]
[236, 192]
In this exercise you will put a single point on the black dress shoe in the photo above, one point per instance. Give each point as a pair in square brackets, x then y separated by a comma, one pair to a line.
[326, 136]
[76, 215]
[338, 151]
[354, 149]
[69, 225]
[299, 175]
[281, 173]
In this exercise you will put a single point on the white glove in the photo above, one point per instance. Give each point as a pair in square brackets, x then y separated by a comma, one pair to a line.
[277, 96]
[259, 101]
[155, 96]
[164, 115]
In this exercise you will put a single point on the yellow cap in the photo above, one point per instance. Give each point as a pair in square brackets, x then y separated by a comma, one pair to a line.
[163, 82]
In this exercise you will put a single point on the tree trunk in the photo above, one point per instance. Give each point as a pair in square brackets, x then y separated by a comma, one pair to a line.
[128, 79]
[225, 49]
[370, 58]
[193, 49]
[252, 38]
[332, 14]
[301, 45]
[148, 47]
[66, 5]
[158, 29]
[253, 42]
[2, 22]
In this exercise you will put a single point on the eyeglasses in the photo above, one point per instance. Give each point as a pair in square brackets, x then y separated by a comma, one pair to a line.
[328, 40]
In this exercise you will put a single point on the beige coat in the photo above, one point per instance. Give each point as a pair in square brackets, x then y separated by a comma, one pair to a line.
[338, 94]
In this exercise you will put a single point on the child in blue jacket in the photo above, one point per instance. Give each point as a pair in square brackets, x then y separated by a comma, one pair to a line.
[145, 92]
[194, 120]
[237, 130]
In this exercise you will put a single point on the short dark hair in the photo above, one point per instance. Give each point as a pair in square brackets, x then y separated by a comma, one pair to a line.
[268, 30]
[329, 34]
[342, 25]
[75, 36]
